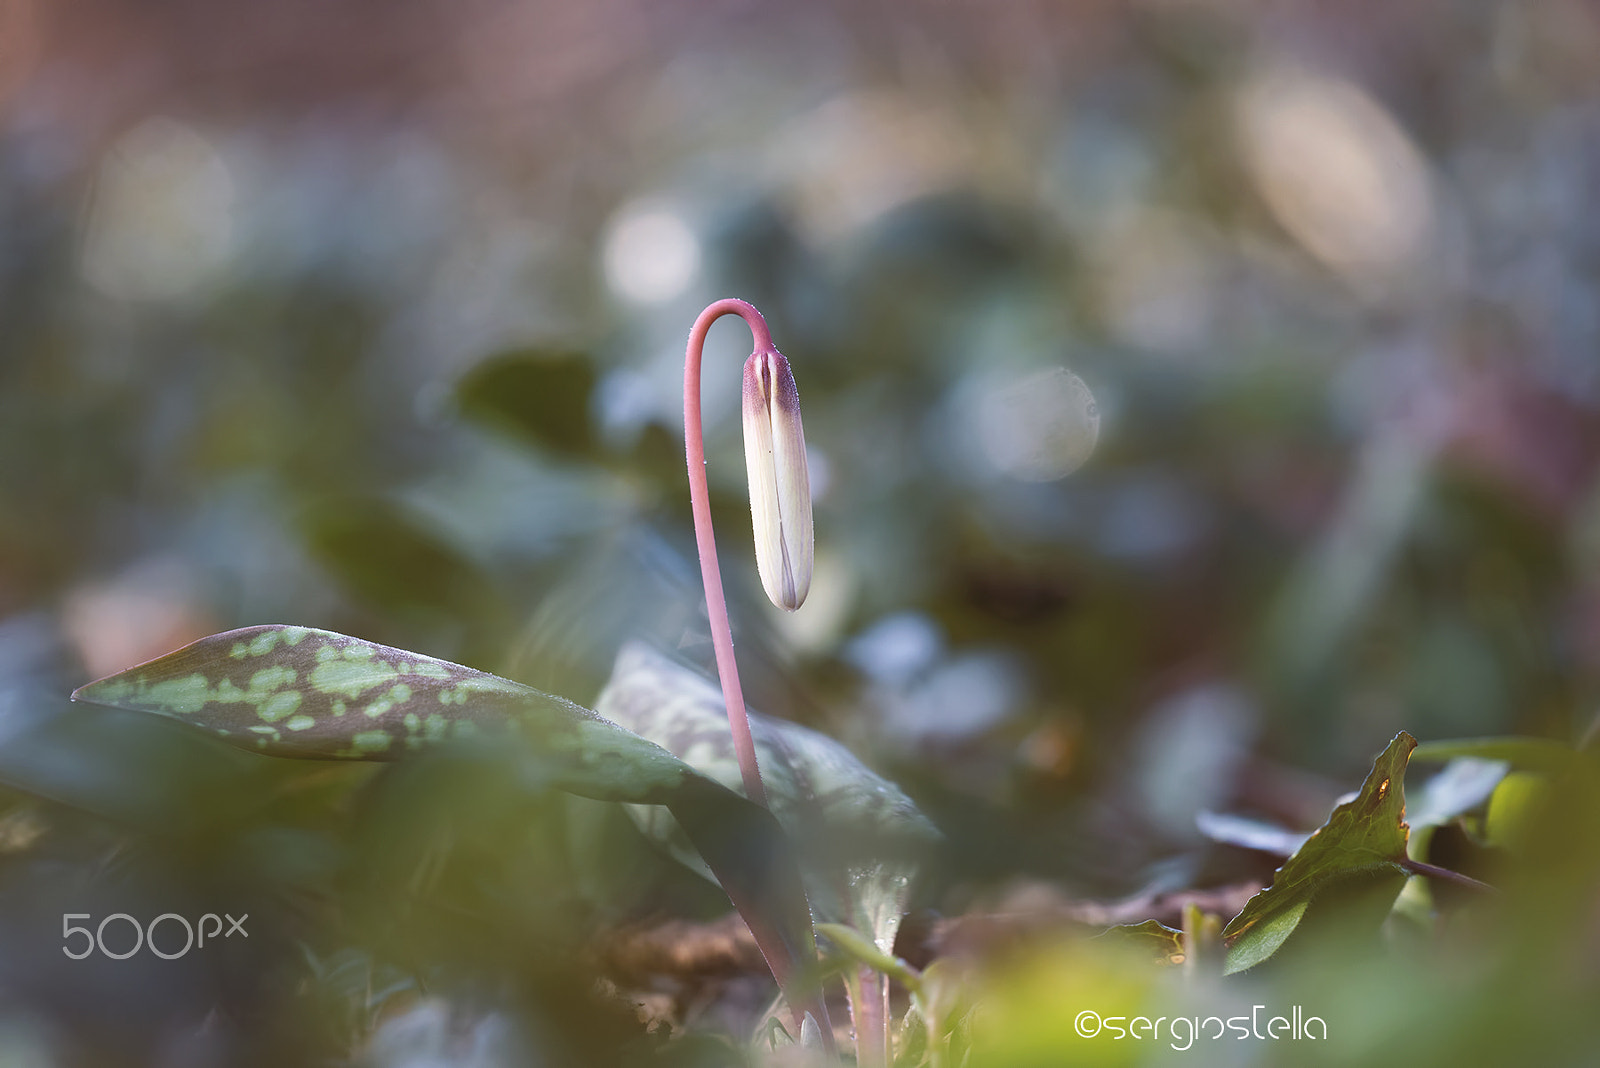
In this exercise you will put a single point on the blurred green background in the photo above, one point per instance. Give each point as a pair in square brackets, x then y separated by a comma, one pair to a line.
[370, 317]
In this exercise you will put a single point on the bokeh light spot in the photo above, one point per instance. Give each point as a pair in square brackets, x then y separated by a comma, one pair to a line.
[651, 254]
[1337, 172]
[1039, 427]
[161, 217]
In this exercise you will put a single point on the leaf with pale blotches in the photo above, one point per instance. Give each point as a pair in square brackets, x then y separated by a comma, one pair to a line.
[298, 692]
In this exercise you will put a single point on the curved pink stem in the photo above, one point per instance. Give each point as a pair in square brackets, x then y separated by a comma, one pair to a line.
[794, 975]
[700, 499]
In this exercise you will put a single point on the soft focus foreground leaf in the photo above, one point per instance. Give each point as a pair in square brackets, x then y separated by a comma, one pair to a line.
[1034, 1003]
[857, 833]
[295, 691]
[944, 1003]
[102, 763]
[1363, 838]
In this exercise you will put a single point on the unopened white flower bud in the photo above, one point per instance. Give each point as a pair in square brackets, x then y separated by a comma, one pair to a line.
[780, 485]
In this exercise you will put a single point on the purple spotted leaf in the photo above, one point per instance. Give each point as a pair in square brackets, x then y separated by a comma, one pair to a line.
[298, 692]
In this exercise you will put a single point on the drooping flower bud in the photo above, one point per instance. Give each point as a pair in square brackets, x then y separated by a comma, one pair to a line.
[780, 485]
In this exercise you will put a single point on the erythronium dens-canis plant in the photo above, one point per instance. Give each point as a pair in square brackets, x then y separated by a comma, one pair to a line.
[656, 745]
[299, 692]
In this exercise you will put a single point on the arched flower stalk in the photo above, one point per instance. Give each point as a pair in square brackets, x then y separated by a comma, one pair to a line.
[780, 501]
[780, 510]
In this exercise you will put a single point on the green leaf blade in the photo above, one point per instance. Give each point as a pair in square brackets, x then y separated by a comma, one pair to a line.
[1364, 837]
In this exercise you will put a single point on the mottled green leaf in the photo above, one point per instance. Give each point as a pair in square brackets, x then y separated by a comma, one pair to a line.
[858, 835]
[1363, 839]
[299, 692]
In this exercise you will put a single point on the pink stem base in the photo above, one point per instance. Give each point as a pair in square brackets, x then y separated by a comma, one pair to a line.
[869, 1011]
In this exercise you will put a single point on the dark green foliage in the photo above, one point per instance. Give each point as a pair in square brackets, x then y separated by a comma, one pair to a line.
[539, 396]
